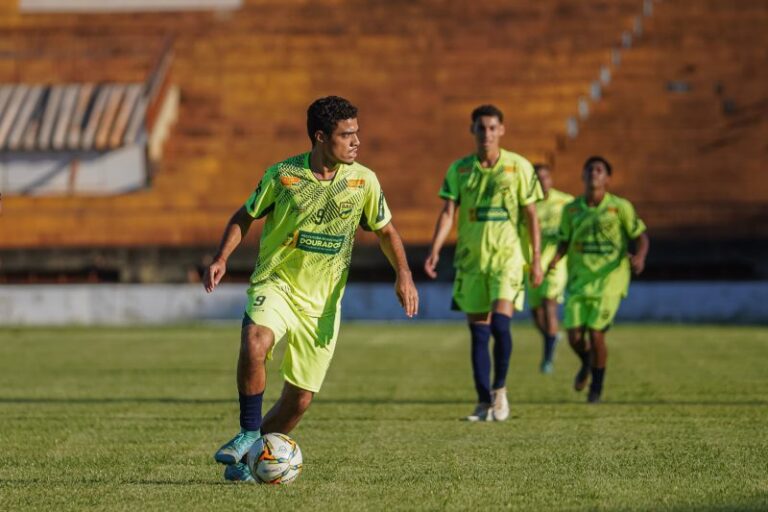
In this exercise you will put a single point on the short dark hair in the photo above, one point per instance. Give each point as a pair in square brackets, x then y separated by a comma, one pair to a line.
[541, 165]
[596, 158]
[487, 110]
[324, 113]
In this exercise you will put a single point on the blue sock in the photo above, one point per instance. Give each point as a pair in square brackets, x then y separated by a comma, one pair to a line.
[481, 361]
[250, 412]
[549, 346]
[502, 348]
[597, 380]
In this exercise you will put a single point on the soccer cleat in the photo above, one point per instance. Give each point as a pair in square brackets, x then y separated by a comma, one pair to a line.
[547, 367]
[582, 378]
[500, 406]
[239, 472]
[483, 412]
[235, 449]
[593, 397]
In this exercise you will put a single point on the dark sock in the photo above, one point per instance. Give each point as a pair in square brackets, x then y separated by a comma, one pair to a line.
[585, 358]
[597, 380]
[481, 361]
[549, 346]
[250, 411]
[502, 348]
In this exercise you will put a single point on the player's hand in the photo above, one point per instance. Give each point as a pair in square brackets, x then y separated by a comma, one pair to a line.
[213, 274]
[537, 276]
[407, 294]
[637, 263]
[431, 264]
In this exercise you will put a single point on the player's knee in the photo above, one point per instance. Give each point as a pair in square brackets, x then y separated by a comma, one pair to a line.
[300, 401]
[257, 342]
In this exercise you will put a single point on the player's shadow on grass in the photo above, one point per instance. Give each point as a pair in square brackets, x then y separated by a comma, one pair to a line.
[101, 481]
[363, 401]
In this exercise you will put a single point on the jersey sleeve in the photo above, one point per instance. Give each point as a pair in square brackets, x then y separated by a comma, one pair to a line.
[262, 200]
[528, 186]
[631, 223]
[376, 213]
[450, 188]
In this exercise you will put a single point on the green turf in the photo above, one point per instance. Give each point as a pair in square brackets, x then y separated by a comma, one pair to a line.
[128, 419]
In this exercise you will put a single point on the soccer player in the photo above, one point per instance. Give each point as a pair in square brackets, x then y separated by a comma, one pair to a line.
[489, 188]
[312, 204]
[544, 299]
[595, 234]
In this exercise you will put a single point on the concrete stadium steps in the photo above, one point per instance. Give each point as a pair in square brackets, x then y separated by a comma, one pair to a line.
[246, 78]
[685, 120]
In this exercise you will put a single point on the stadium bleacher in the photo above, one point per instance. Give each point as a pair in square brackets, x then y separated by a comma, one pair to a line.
[247, 76]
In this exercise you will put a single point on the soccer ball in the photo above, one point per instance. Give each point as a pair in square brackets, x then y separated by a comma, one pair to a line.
[275, 459]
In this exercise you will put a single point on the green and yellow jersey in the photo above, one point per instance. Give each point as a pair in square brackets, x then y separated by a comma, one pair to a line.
[489, 202]
[598, 239]
[306, 242]
[549, 212]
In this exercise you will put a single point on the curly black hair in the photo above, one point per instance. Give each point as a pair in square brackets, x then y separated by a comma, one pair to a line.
[600, 159]
[324, 113]
[487, 110]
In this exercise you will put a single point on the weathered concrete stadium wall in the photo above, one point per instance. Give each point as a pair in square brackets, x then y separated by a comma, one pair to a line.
[158, 304]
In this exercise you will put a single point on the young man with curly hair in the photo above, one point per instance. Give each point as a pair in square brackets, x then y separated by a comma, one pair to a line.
[312, 204]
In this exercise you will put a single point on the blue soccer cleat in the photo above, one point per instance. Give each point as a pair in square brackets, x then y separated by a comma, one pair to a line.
[547, 367]
[239, 472]
[236, 448]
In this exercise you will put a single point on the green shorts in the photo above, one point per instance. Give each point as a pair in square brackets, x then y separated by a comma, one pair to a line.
[552, 288]
[311, 340]
[476, 292]
[595, 313]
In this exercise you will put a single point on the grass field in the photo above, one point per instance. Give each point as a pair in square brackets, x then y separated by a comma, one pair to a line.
[128, 419]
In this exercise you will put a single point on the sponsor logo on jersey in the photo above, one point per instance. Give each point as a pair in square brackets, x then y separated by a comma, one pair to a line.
[510, 168]
[488, 214]
[357, 183]
[464, 169]
[289, 181]
[319, 242]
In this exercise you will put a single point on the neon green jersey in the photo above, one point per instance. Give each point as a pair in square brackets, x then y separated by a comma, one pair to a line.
[489, 201]
[549, 212]
[598, 239]
[306, 242]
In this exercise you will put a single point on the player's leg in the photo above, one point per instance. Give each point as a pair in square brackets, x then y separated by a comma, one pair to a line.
[480, 333]
[599, 323]
[311, 344]
[578, 341]
[599, 358]
[288, 410]
[577, 316]
[539, 319]
[256, 341]
[503, 310]
[470, 295]
[263, 325]
[549, 333]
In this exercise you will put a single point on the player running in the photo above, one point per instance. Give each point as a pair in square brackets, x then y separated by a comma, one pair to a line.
[595, 232]
[490, 188]
[312, 204]
[544, 299]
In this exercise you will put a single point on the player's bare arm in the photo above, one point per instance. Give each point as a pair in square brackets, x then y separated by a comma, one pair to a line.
[442, 229]
[532, 221]
[562, 249]
[234, 233]
[637, 260]
[392, 246]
